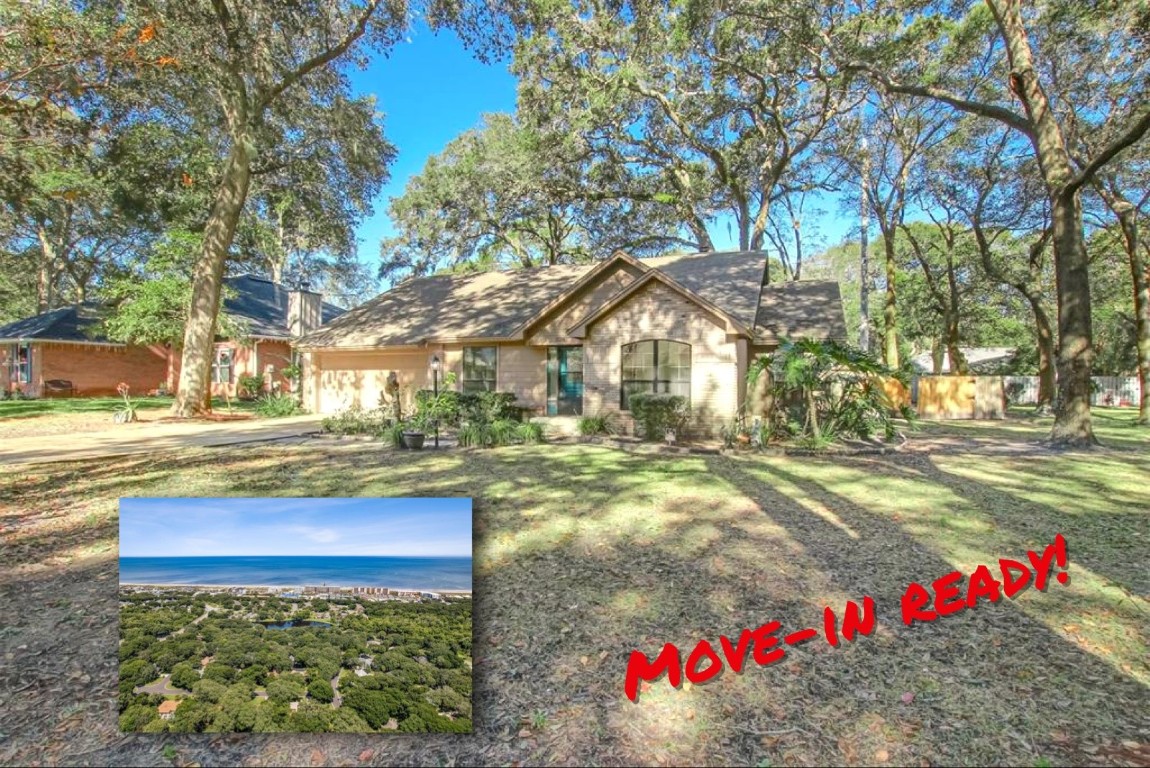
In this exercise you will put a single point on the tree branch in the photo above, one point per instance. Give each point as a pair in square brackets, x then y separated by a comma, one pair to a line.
[1002, 114]
[320, 59]
[1127, 138]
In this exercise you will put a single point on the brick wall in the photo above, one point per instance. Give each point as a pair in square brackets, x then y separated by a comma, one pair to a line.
[247, 360]
[98, 370]
[657, 312]
[523, 370]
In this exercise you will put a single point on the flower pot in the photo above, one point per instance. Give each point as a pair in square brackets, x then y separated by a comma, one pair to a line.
[413, 440]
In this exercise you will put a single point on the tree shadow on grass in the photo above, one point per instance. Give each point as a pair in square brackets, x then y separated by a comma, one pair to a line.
[982, 684]
[1102, 525]
[585, 554]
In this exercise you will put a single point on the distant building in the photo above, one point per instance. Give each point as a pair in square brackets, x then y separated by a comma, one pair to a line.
[168, 708]
[984, 360]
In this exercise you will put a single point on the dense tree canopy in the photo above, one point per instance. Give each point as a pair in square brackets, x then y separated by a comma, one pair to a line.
[997, 148]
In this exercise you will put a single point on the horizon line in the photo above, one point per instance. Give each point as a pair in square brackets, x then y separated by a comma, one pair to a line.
[193, 557]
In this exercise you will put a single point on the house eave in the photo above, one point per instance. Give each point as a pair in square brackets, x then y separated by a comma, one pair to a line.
[34, 340]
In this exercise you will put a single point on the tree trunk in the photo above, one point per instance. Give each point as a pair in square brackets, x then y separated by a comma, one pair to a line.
[813, 415]
[1128, 220]
[1075, 352]
[958, 366]
[46, 276]
[890, 309]
[1046, 380]
[1075, 347]
[864, 262]
[194, 395]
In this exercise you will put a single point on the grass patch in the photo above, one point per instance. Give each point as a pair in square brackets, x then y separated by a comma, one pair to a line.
[584, 553]
[16, 409]
[1114, 427]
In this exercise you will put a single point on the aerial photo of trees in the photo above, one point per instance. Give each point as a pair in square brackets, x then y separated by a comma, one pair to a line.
[200, 662]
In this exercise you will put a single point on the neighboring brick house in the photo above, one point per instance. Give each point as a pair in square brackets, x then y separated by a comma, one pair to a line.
[66, 344]
[574, 339]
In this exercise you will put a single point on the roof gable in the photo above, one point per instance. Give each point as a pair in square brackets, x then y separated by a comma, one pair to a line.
[597, 273]
[579, 329]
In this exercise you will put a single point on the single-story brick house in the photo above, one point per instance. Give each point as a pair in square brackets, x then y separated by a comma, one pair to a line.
[67, 344]
[574, 339]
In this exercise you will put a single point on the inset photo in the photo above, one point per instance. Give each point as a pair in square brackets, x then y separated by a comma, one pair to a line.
[295, 615]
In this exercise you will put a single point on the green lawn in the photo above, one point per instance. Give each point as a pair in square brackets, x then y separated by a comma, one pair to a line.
[11, 409]
[584, 553]
[1113, 427]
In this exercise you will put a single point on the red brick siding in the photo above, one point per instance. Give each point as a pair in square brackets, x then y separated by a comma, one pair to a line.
[98, 370]
[247, 360]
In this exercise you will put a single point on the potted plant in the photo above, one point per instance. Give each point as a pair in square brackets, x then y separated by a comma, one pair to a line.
[413, 434]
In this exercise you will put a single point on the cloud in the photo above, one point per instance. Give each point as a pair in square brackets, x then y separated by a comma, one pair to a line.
[318, 535]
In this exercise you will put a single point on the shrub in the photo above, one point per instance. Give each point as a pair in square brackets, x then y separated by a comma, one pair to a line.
[393, 433]
[530, 432]
[126, 411]
[447, 407]
[488, 407]
[823, 388]
[1014, 392]
[473, 435]
[355, 421]
[276, 405]
[599, 424]
[503, 432]
[656, 412]
[250, 387]
[729, 433]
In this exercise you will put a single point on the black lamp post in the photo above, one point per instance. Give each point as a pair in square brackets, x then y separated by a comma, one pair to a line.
[435, 393]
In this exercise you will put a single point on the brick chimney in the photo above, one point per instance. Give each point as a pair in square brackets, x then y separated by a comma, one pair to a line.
[304, 310]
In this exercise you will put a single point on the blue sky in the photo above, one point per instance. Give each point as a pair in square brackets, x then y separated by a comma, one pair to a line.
[293, 526]
[430, 89]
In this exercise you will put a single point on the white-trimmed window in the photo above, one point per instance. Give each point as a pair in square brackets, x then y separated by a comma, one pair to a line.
[655, 365]
[223, 366]
[20, 363]
[479, 368]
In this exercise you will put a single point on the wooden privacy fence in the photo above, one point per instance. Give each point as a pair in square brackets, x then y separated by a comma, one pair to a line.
[1108, 390]
[894, 389]
[961, 397]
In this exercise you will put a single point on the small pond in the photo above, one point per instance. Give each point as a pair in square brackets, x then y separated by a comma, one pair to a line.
[294, 623]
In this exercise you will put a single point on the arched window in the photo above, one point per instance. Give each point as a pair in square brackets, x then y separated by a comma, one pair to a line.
[658, 365]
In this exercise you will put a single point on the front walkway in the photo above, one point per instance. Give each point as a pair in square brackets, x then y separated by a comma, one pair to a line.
[166, 436]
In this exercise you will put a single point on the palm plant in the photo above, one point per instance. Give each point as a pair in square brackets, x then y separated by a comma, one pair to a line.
[839, 388]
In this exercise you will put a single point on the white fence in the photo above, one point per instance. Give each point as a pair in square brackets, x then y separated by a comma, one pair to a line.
[1108, 390]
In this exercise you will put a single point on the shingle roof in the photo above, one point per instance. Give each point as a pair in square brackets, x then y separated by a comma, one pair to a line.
[258, 302]
[493, 305]
[476, 306]
[729, 280]
[803, 308]
[263, 305]
[76, 323]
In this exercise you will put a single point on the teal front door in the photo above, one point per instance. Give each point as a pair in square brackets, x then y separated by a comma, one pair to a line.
[565, 381]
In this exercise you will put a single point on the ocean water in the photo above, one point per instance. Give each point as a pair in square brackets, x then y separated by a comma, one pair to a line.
[428, 573]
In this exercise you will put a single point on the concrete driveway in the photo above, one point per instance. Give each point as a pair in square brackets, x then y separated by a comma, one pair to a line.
[151, 438]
